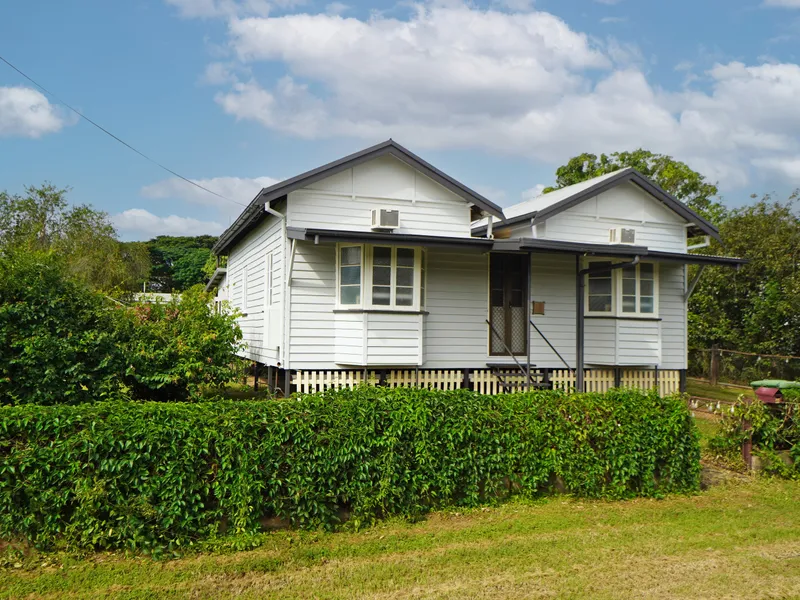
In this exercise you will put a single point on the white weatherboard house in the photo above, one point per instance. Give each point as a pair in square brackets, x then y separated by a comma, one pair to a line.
[380, 266]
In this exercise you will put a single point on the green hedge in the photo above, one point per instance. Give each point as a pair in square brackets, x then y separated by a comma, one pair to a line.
[157, 476]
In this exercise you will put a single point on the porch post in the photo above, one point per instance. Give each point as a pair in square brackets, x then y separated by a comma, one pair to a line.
[529, 298]
[579, 323]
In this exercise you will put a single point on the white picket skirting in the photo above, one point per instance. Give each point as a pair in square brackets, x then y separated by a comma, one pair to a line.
[484, 381]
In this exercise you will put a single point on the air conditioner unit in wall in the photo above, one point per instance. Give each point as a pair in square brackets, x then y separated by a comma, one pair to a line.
[621, 235]
[385, 219]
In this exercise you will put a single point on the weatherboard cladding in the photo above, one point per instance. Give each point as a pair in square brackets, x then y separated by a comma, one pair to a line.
[540, 209]
[255, 212]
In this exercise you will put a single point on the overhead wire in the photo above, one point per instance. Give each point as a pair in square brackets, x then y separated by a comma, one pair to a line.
[121, 141]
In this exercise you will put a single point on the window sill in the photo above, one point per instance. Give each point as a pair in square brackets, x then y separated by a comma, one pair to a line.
[380, 311]
[622, 318]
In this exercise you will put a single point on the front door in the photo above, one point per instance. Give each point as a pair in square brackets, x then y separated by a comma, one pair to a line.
[508, 282]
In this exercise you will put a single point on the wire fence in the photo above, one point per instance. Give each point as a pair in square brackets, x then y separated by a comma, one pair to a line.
[730, 366]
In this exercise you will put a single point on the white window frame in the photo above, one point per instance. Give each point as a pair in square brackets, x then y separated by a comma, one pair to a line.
[338, 276]
[367, 253]
[616, 292]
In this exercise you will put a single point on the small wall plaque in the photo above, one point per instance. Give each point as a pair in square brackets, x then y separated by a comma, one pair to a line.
[537, 308]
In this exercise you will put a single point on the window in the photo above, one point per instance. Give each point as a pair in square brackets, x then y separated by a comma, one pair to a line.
[350, 275]
[638, 289]
[601, 289]
[392, 276]
[630, 291]
[423, 268]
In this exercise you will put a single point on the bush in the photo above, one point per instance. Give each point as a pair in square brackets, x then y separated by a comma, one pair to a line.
[158, 476]
[175, 348]
[771, 428]
[58, 341]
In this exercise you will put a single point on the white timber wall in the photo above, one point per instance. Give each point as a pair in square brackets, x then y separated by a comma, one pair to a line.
[453, 334]
[456, 334]
[249, 283]
[325, 338]
[344, 201]
[657, 227]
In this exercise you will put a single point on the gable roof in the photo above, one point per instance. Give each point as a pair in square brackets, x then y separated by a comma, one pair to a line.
[255, 210]
[547, 205]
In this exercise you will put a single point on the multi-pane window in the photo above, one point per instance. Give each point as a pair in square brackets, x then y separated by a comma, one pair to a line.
[638, 289]
[350, 275]
[601, 288]
[630, 291]
[392, 276]
[404, 276]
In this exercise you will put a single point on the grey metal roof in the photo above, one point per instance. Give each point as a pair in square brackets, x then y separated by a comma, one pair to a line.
[255, 210]
[511, 245]
[547, 205]
[334, 235]
[558, 246]
[216, 278]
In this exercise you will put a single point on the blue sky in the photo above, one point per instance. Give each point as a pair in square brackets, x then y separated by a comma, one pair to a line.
[239, 93]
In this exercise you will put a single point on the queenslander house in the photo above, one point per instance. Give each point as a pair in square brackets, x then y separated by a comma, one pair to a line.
[380, 267]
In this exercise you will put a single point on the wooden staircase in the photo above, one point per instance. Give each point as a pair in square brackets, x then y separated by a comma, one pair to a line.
[512, 378]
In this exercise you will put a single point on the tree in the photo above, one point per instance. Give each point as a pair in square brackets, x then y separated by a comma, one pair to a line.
[756, 308]
[42, 220]
[58, 341]
[211, 265]
[674, 176]
[174, 349]
[178, 261]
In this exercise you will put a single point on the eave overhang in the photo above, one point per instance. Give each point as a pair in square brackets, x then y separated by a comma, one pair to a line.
[588, 249]
[322, 236]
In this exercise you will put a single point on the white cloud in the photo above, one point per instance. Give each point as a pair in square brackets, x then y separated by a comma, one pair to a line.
[204, 9]
[613, 19]
[494, 194]
[786, 168]
[451, 75]
[25, 112]
[783, 3]
[533, 192]
[239, 189]
[337, 8]
[147, 225]
[219, 73]
[220, 8]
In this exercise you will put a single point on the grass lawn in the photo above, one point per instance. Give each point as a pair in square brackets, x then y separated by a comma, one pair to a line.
[695, 387]
[735, 541]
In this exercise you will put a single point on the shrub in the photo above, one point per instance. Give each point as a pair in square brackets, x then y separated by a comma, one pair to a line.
[158, 476]
[174, 348]
[58, 342]
[770, 427]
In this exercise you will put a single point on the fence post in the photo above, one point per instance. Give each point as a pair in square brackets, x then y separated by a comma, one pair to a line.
[713, 375]
[747, 445]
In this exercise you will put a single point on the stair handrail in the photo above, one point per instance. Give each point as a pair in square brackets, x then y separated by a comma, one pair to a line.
[525, 371]
[553, 348]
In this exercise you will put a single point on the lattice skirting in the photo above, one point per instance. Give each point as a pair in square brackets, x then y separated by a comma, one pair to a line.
[485, 381]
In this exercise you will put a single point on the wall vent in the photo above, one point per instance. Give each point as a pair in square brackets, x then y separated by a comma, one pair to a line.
[621, 235]
[385, 219]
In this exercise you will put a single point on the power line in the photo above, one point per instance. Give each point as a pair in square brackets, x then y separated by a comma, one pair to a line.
[121, 141]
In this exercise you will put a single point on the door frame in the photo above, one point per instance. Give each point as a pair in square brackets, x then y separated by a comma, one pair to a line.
[526, 283]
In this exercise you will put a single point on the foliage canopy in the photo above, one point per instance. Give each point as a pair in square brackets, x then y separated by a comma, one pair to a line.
[159, 476]
[41, 220]
[672, 175]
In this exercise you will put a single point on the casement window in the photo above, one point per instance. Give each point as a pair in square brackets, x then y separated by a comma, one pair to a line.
[350, 260]
[628, 292]
[380, 277]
